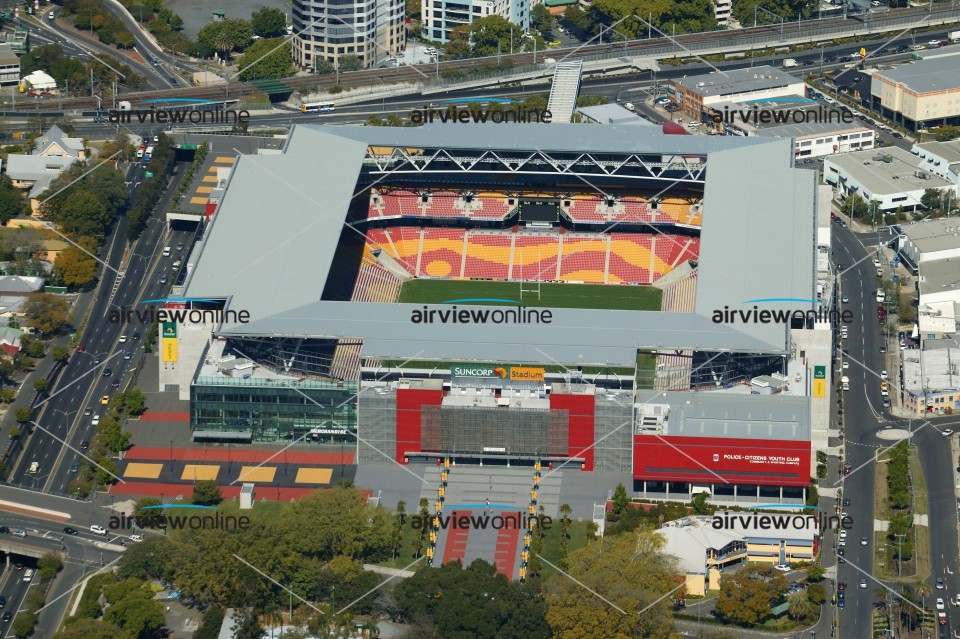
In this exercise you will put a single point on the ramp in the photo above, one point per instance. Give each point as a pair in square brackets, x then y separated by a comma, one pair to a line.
[564, 91]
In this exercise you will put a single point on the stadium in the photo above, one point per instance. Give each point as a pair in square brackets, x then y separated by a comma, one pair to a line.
[512, 295]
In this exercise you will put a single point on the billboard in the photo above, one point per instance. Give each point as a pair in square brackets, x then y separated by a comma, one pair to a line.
[720, 460]
[478, 371]
[168, 342]
[526, 374]
[819, 381]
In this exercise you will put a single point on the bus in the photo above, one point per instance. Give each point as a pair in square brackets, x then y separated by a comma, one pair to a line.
[148, 153]
[317, 107]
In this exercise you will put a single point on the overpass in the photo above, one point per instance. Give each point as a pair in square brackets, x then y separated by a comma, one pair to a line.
[27, 550]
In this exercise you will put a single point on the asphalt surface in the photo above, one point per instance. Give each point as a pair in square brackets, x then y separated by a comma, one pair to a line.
[84, 382]
[864, 418]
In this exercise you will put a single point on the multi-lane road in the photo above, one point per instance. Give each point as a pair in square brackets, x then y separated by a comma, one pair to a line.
[865, 418]
[111, 353]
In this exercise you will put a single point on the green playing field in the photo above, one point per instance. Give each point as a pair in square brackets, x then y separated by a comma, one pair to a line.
[599, 296]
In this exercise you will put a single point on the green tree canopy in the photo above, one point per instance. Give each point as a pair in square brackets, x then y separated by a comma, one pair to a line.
[268, 23]
[261, 61]
[46, 313]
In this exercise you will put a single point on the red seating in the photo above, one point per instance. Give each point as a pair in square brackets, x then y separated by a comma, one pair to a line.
[445, 204]
[584, 259]
[488, 255]
[535, 257]
[585, 209]
[490, 206]
[442, 253]
[400, 203]
[635, 210]
[629, 259]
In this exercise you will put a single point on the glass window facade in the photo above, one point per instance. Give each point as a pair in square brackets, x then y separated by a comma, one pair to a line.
[276, 410]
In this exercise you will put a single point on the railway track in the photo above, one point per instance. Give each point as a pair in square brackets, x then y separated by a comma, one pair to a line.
[428, 72]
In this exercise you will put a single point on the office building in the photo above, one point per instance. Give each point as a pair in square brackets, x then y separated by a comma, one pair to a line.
[327, 30]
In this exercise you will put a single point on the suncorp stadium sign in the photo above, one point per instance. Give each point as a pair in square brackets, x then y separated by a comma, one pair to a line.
[513, 373]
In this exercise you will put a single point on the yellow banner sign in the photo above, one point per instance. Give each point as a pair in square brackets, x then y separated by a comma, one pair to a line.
[169, 350]
[819, 388]
[526, 374]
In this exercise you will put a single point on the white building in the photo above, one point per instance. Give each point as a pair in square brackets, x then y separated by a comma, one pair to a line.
[722, 10]
[442, 16]
[373, 30]
[39, 81]
[930, 241]
[53, 152]
[888, 178]
[940, 158]
[9, 65]
[921, 93]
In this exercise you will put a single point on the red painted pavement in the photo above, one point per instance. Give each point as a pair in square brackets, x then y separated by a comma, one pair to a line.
[456, 547]
[245, 455]
[505, 554]
[158, 416]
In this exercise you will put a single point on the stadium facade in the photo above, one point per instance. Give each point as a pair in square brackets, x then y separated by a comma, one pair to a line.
[632, 240]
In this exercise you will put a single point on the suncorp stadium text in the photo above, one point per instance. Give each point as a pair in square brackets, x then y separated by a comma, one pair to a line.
[453, 315]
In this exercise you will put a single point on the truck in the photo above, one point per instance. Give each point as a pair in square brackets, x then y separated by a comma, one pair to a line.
[954, 36]
[790, 62]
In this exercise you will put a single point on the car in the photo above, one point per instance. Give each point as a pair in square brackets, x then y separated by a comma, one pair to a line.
[4, 530]
[88, 411]
[863, 582]
[782, 567]
[840, 266]
[156, 138]
[6, 617]
[123, 338]
[97, 360]
[107, 372]
[883, 374]
[898, 135]
[136, 335]
[846, 471]
[554, 43]
[105, 400]
[884, 392]
[3, 601]
[840, 603]
[846, 501]
[84, 445]
[841, 586]
[876, 262]
[176, 265]
[841, 548]
[115, 383]
[843, 534]
[946, 432]
[71, 531]
[74, 468]
[808, 63]
[19, 533]
[28, 575]
[863, 541]
[179, 246]
[98, 530]
[81, 349]
[940, 604]
[942, 618]
[18, 566]
[843, 224]
[127, 355]
[844, 299]
[136, 538]
[163, 280]
[846, 364]
[883, 349]
[939, 583]
[886, 402]
[95, 421]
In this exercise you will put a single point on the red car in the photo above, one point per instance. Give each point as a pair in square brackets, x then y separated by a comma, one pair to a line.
[81, 349]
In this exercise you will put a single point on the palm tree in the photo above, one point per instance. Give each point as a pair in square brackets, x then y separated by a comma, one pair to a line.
[800, 606]
[224, 44]
[924, 590]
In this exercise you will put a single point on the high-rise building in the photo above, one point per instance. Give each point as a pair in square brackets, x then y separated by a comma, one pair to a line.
[373, 30]
[442, 16]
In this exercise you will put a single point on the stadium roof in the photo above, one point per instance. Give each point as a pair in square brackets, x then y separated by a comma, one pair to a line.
[727, 415]
[926, 76]
[274, 261]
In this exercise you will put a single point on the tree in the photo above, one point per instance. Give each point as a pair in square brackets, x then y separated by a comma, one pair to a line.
[699, 504]
[266, 59]
[134, 402]
[145, 513]
[125, 39]
[620, 502]
[350, 63]
[396, 535]
[815, 573]
[24, 623]
[206, 492]
[24, 414]
[46, 313]
[75, 265]
[226, 36]
[81, 214]
[817, 593]
[268, 23]
[542, 18]
[631, 572]
[210, 623]
[746, 596]
[50, 564]
[800, 606]
[40, 384]
[12, 203]
[78, 628]
[60, 353]
[246, 626]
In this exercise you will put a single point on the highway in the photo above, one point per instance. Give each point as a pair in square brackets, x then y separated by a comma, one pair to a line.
[685, 45]
[85, 379]
[864, 419]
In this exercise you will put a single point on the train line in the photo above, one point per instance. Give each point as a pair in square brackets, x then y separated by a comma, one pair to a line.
[428, 72]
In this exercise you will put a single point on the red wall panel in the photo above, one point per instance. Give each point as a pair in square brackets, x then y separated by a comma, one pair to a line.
[580, 438]
[409, 401]
[714, 460]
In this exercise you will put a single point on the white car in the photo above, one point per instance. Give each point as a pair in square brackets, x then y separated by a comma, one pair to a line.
[883, 374]
[876, 262]
[98, 530]
[884, 392]
[843, 534]
[782, 567]
[846, 364]
[941, 605]
[123, 339]
[96, 420]
[946, 432]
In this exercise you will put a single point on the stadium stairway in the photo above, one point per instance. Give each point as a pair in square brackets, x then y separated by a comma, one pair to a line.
[563, 92]
[499, 484]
